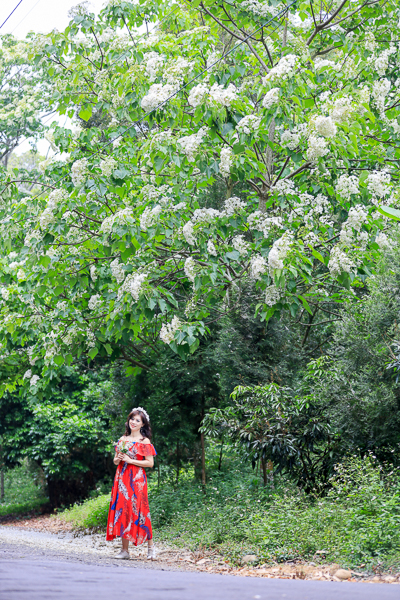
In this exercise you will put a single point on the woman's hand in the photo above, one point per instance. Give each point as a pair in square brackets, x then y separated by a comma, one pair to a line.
[126, 458]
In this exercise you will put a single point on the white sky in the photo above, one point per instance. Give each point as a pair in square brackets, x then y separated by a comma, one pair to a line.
[40, 16]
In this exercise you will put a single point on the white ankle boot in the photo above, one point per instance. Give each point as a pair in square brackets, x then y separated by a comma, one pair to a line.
[151, 552]
[123, 554]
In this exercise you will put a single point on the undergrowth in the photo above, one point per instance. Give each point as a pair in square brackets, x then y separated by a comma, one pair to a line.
[23, 490]
[356, 524]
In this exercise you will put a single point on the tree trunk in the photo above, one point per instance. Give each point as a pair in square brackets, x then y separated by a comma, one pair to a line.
[203, 460]
[178, 461]
[220, 458]
[264, 471]
[1, 475]
[2, 485]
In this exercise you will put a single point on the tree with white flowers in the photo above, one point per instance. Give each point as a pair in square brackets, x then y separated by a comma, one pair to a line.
[24, 94]
[291, 109]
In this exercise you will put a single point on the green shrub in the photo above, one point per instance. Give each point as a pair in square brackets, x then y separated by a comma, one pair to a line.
[90, 514]
[357, 522]
[23, 490]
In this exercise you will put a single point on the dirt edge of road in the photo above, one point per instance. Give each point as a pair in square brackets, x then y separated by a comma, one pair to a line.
[170, 557]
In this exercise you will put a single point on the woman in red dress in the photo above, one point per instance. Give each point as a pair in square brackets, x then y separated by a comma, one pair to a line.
[129, 514]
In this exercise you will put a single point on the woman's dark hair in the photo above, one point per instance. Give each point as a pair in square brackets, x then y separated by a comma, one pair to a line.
[145, 430]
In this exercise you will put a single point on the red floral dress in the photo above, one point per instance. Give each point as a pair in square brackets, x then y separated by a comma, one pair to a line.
[129, 514]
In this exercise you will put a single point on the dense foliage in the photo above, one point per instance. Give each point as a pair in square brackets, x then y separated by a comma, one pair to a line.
[290, 112]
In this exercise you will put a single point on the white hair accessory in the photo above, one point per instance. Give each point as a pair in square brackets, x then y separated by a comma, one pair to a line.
[143, 411]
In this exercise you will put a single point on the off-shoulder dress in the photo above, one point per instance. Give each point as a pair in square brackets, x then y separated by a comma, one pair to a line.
[129, 513]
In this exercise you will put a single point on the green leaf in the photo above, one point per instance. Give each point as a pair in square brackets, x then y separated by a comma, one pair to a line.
[93, 352]
[318, 256]
[86, 113]
[388, 211]
[45, 261]
[306, 305]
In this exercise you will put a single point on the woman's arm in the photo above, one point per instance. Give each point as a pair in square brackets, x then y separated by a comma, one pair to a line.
[147, 462]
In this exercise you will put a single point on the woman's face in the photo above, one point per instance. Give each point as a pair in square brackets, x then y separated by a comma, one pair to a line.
[135, 423]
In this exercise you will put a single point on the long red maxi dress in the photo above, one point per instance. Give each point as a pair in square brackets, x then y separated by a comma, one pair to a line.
[129, 513]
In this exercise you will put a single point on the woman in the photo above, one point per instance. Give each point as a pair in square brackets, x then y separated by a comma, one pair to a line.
[129, 514]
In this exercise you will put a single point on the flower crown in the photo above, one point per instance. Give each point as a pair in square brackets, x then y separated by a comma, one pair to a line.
[143, 411]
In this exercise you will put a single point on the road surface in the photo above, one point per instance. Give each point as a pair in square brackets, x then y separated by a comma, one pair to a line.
[30, 576]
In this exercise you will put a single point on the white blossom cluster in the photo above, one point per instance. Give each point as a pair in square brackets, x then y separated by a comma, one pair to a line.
[34, 380]
[205, 215]
[226, 161]
[320, 63]
[378, 183]
[5, 293]
[94, 302]
[168, 330]
[283, 70]
[79, 172]
[48, 215]
[279, 251]
[369, 41]
[324, 126]
[119, 217]
[211, 249]
[381, 62]
[149, 216]
[339, 261]
[317, 147]
[153, 63]
[258, 266]
[249, 124]
[175, 72]
[380, 90]
[347, 185]
[157, 94]
[198, 94]
[108, 166]
[272, 295]
[132, 284]
[223, 96]
[291, 138]
[190, 268]
[239, 243]
[271, 98]
[117, 270]
[233, 205]
[284, 187]
[188, 233]
[356, 218]
[342, 109]
[262, 9]
[93, 273]
[257, 220]
[382, 240]
[191, 143]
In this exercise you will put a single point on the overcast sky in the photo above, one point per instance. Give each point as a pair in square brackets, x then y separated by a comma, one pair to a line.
[38, 15]
[41, 16]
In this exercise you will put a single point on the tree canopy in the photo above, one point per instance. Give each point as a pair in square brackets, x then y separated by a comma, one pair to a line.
[289, 110]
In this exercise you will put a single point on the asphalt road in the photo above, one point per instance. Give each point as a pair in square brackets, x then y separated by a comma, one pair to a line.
[43, 578]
